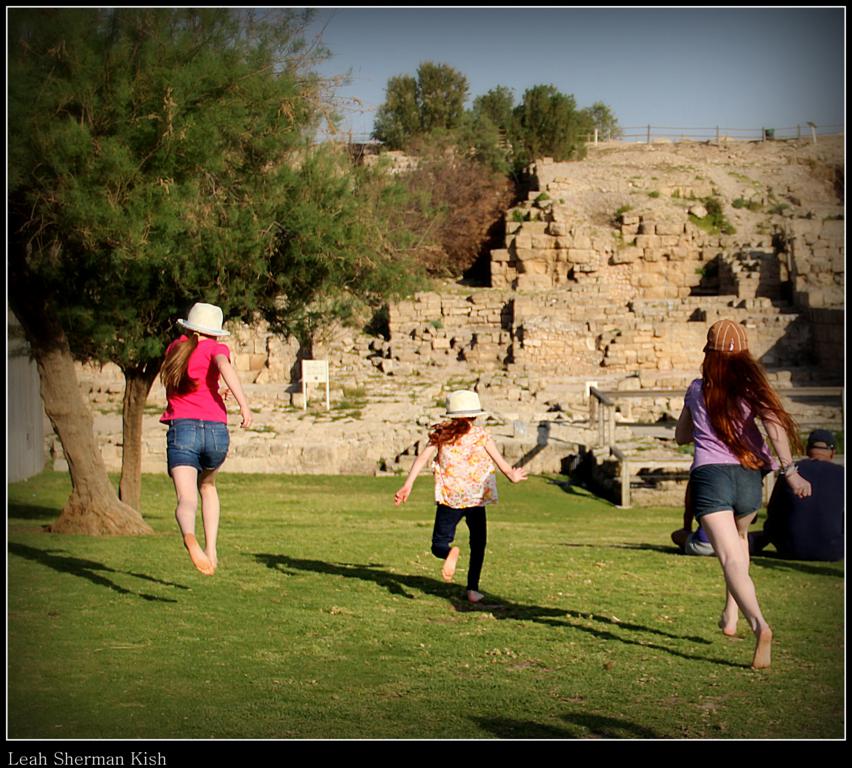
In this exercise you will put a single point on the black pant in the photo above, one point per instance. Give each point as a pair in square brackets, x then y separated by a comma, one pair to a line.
[446, 521]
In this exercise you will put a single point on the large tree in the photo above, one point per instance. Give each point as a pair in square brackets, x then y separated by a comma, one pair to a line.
[159, 157]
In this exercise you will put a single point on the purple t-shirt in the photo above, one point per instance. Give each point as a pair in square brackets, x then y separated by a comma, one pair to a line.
[709, 448]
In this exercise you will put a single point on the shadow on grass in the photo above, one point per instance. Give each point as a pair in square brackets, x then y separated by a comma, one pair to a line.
[569, 487]
[765, 560]
[501, 609]
[778, 562]
[671, 550]
[579, 726]
[88, 569]
[31, 512]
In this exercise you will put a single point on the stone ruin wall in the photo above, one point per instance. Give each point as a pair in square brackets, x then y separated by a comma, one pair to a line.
[626, 304]
[624, 318]
[557, 334]
[578, 298]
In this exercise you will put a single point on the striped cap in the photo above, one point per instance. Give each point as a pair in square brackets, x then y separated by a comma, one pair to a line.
[727, 336]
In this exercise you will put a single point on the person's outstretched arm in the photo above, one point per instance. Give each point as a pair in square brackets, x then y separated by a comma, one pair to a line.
[781, 443]
[515, 474]
[424, 458]
[229, 374]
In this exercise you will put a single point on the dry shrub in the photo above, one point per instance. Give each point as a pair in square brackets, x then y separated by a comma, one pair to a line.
[454, 204]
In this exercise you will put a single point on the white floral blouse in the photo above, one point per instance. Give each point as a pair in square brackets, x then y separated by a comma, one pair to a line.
[464, 472]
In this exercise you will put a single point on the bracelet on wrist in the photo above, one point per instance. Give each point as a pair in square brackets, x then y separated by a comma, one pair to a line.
[789, 469]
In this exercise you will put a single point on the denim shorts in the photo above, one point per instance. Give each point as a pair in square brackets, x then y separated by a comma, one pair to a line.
[726, 486]
[196, 443]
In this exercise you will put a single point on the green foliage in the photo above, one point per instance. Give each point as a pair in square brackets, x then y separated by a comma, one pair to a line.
[599, 116]
[441, 94]
[714, 222]
[547, 124]
[497, 105]
[398, 118]
[161, 158]
[434, 100]
[480, 137]
[502, 135]
[334, 252]
[751, 205]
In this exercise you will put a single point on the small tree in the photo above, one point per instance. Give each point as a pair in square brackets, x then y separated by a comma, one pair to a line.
[441, 94]
[600, 117]
[398, 118]
[434, 100]
[548, 125]
[498, 107]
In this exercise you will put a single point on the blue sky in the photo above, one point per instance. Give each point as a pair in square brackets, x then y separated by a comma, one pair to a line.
[675, 67]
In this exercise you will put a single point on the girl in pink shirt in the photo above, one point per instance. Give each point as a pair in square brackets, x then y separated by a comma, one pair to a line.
[464, 460]
[197, 441]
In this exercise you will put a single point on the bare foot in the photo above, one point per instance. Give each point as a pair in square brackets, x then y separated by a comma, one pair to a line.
[214, 560]
[449, 569]
[473, 596]
[762, 649]
[728, 628]
[196, 554]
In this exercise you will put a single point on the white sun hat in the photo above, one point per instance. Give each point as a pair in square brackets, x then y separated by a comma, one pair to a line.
[463, 404]
[206, 319]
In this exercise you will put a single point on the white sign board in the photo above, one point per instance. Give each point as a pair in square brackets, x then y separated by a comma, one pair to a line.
[314, 372]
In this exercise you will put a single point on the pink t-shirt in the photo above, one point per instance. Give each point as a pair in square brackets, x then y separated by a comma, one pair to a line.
[709, 448]
[464, 472]
[204, 402]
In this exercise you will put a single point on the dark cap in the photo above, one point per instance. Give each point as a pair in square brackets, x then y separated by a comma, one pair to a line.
[821, 438]
[727, 336]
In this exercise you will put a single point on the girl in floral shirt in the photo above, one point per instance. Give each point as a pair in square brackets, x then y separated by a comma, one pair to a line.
[464, 461]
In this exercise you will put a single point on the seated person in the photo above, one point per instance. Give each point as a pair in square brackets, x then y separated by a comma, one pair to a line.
[689, 542]
[809, 528]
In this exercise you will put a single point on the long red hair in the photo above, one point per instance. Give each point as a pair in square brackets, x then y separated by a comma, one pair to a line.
[449, 431]
[729, 380]
[175, 371]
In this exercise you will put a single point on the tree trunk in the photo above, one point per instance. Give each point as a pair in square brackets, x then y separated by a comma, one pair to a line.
[93, 508]
[137, 385]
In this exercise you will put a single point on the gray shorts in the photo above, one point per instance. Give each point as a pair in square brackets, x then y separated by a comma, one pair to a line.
[694, 546]
[716, 487]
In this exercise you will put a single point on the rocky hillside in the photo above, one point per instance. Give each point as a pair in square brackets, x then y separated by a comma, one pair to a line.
[609, 276]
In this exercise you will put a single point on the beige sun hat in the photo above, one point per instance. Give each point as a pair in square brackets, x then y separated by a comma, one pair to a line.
[463, 404]
[206, 319]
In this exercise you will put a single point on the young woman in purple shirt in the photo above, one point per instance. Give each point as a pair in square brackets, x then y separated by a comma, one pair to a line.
[731, 458]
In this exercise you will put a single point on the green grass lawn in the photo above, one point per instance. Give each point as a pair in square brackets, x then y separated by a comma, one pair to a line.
[328, 619]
